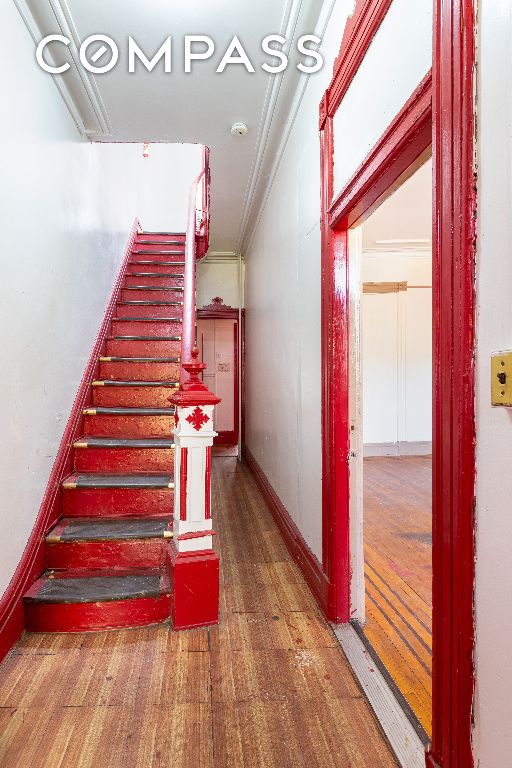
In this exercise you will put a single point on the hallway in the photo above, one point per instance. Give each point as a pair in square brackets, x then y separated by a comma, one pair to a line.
[268, 687]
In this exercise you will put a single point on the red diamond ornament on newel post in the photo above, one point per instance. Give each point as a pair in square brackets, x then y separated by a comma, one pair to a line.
[195, 565]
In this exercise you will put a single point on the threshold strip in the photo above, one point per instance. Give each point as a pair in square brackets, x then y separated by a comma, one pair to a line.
[407, 740]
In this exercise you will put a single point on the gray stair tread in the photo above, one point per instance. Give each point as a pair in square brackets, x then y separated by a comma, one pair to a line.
[157, 263]
[109, 383]
[98, 588]
[113, 529]
[146, 338]
[111, 359]
[104, 410]
[124, 442]
[136, 303]
[154, 274]
[90, 480]
[147, 319]
[152, 288]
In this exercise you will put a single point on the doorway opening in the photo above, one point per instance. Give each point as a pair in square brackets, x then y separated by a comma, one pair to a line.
[391, 436]
[217, 340]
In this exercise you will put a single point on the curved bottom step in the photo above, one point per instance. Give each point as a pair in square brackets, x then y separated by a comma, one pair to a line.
[90, 601]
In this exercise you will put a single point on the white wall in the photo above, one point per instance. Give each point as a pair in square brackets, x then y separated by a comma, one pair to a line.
[218, 279]
[283, 260]
[66, 209]
[166, 176]
[398, 59]
[397, 350]
[283, 417]
[493, 734]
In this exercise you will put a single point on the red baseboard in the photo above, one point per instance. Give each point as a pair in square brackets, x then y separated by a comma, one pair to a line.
[311, 569]
[32, 562]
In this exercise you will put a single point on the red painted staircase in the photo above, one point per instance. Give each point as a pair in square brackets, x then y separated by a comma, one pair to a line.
[107, 557]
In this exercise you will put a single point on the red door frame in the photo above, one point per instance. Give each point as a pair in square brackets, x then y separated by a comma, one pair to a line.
[217, 310]
[440, 114]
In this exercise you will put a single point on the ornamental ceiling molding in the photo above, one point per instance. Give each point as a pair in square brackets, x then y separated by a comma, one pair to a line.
[77, 86]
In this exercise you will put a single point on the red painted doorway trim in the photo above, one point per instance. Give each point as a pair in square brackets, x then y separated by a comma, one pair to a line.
[441, 113]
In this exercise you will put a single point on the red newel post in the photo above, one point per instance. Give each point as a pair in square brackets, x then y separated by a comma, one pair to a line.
[195, 565]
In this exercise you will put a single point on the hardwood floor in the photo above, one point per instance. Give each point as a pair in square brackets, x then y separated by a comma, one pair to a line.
[268, 687]
[398, 571]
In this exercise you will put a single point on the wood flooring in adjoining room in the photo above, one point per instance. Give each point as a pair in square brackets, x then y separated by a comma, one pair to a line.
[398, 573]
[268, 687]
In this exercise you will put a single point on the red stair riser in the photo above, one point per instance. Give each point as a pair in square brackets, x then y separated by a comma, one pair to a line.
[89, 617]
[119, 460]
[139, 310]
[127, 348]
[160, 237]
[163, 269]
[135, 553]
[153, 253]
[103, 425]
[163, 243]
[132, 397]
[143, 295]
[141, 328]
[117, 502]
[179, 258]
[178, 247]
[124, 371]
[157, 282]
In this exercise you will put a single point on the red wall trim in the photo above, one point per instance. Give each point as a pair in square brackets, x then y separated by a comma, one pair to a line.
[32, 562]
[183, 483]
[208, 484]
[454, 231]
[301, 553]
[399, 152]
[359, 32]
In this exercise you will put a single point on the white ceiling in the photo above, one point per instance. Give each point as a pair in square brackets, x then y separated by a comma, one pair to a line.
[199, 107]
[404, 218]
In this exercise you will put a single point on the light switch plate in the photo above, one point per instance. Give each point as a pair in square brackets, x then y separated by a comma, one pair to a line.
[501, 372]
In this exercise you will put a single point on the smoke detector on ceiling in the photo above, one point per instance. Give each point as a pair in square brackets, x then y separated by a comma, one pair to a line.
[239, 129]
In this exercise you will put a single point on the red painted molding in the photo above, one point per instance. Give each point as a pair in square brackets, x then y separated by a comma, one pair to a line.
[32, 562]
[299, 550]
[208, 484]
[454, 237]
[359, 32]
[218, 310]
[183, 483]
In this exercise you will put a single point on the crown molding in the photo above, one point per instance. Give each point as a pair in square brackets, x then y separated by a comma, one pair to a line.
[288, 29]
[255, 208]
[220, 257]
[77, 86]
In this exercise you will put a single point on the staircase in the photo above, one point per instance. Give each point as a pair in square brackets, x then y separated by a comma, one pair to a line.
[107, 558]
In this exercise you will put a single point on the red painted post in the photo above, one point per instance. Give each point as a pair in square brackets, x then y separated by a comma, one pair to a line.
[195, 565]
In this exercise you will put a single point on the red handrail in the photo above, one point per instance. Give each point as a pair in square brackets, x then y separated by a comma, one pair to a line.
[196, 246]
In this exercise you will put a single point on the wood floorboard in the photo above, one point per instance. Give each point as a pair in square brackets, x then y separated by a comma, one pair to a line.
[398, 573]
[267, 688]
